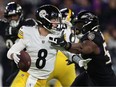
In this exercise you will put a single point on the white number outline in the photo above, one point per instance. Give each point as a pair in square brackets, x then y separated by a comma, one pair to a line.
[106, 51]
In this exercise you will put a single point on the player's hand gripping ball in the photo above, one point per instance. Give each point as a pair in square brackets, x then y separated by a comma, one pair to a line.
[25, 61]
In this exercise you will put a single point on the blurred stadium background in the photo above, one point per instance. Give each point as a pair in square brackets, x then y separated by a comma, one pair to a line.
[105, 9]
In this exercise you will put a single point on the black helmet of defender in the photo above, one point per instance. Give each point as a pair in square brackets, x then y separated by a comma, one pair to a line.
[45, 14]
[86, 21]
[13, 9]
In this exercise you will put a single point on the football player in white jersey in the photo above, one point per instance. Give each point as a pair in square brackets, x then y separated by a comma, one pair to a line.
[62, 71]
[15, 18]
[36, 41]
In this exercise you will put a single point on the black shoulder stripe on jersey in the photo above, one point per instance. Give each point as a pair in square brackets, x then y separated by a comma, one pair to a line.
[29, 22]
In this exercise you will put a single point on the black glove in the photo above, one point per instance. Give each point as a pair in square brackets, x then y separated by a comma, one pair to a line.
[60, 41]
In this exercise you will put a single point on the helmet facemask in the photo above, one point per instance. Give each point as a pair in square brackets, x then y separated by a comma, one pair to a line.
[14, 23]
[86, 22]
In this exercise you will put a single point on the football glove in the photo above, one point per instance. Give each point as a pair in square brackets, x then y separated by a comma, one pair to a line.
[60, 41]
[78, 60]
[16, 58]
[84, 62]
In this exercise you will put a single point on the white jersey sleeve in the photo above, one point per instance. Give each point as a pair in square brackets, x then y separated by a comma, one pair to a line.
[42, 53]
[19, 46]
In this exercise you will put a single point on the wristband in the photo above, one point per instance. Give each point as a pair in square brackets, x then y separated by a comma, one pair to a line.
[68, 46]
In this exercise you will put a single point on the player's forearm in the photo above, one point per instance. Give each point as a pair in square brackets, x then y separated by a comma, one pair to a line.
[9, 55]
[68, 54]
[75, 48]
[72, 57]
[79, 48]
[16, 48]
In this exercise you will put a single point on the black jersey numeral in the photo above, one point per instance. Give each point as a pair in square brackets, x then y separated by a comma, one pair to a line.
[41, 61]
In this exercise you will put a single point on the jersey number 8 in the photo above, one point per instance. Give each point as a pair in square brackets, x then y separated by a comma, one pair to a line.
[41, 61]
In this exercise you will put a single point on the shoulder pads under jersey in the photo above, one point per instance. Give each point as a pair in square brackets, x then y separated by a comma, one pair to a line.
[30, 22]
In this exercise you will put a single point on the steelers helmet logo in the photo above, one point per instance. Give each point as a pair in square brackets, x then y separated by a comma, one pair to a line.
[42, 13]
[91, 36]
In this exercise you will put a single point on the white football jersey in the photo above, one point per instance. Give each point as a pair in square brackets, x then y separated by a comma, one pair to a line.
[41, 51]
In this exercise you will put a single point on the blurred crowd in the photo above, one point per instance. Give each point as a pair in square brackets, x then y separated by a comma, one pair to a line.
[105, 9]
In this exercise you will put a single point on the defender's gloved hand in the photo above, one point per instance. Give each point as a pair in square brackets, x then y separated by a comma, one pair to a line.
[83, 63]
[78, 60]
[60, 41]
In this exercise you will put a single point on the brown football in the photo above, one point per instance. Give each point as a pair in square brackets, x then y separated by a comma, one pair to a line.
[25, 61]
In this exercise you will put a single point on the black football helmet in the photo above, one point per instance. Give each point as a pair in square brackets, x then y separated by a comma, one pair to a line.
[45, 13]
[67, 14]
[12, 9]
[86, 21]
